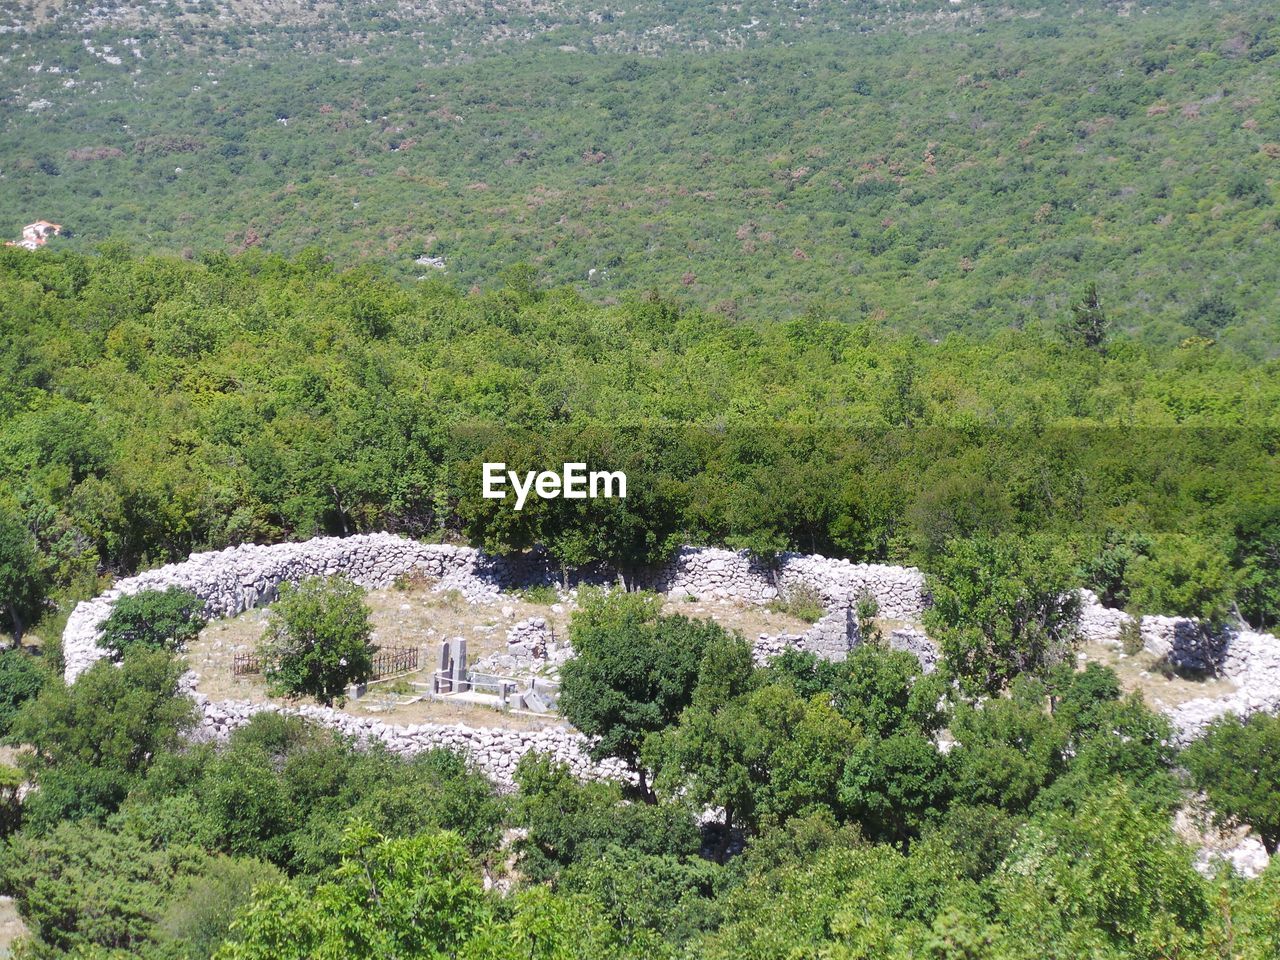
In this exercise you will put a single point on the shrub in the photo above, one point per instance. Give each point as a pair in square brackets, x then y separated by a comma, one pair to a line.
[153, 619]
[543, 593]
[867, 608]
[1131, 637]
[317, 639]
[802, 602]
[21, 678]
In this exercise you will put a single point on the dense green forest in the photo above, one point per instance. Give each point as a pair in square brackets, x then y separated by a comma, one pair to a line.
[964, 172]
[155, 406]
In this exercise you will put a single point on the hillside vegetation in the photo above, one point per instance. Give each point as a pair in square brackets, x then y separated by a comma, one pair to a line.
[968, 172]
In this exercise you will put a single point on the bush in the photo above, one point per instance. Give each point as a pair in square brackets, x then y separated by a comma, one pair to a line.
[801, 601]
[1184, 577]
[154, 619]
[544, 594]
[1131, 637]
[317, 639]
[21, 679]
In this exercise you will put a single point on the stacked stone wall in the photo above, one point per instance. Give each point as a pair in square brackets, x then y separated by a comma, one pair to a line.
[233, 580]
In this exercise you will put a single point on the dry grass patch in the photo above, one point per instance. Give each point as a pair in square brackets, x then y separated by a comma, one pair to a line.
[413, 615]
[1161, 690]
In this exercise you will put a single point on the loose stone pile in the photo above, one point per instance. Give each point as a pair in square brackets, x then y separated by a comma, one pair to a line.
[530, 638]
[532, 647]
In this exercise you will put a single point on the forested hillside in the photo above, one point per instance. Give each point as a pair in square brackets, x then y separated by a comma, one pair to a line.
[970, 170]
[152, 406]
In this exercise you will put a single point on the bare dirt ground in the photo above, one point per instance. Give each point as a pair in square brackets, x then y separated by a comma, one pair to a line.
[1142, 672]
[419, 617]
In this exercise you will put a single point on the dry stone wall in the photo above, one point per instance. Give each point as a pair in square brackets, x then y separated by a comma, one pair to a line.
[494, 750]
[233, 580]
[1250, 659]
[706, 572]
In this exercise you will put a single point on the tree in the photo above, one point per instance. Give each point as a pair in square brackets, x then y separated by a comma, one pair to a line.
[93, 739]
[412, 896]
[81, 886]
[1237, 764]
[894, 786]
[1184, 576]
[1107, 880]
[153, 618]
[1256, 555]
[22, 582]
[632, 673]
[1008, 749]
[1087, 325]
[317, 639]
[571, 821]
[22, 677]
[198, 916]
[1002, 606]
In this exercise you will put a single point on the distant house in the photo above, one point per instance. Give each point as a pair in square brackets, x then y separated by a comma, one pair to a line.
[36, 235]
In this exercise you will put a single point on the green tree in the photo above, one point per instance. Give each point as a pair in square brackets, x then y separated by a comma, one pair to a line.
[1184, 576]
[317, 639]
[1109, 879]
[632, 673]
[893, 787]
[415, 896]
[81, 885]
[1087, 324]
[1237, 764]
[22, 677]
[1002, 606]
[93, 739]
[22, 581]
[153, 618]
[198, 915]
[571, 821]
[1256, 553]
